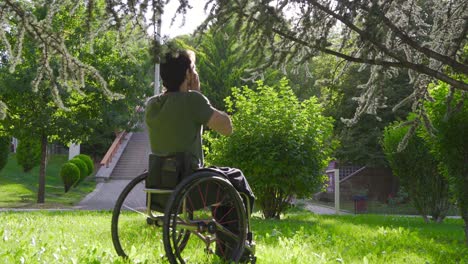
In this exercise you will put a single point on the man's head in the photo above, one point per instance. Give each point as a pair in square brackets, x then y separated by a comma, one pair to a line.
[174, 69]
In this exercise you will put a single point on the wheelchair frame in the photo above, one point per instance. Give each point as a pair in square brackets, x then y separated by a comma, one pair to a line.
[202, 229]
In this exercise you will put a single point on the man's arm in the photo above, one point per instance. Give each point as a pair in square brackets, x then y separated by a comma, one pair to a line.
[220, 122]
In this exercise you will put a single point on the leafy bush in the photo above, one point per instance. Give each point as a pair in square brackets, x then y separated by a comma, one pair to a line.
[282, 145]
[450, 144]
[5, 143]
[418, 172]
[82, 167]
[88, 161]
[28, 153]
[70, 174]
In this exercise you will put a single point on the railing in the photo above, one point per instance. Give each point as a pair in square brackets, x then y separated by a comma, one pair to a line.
[117, 142]
[113, 149]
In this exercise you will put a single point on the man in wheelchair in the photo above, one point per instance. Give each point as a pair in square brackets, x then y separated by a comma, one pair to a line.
[175, 121]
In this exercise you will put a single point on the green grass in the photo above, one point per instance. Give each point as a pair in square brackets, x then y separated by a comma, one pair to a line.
[376, 207]
[19, 189]
[301, 237]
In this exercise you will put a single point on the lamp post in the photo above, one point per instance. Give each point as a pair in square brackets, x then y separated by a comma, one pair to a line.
[157, 38]
[336, 183]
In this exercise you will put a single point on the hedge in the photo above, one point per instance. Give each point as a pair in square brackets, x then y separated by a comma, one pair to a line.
[70, 174]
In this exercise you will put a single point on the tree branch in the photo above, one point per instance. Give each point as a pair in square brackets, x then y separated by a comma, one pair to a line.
[404, 63]
[400, 64]
[458, 41]
[359, 31]
[457, 66]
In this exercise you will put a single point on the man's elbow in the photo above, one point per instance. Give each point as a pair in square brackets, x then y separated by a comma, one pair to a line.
[221, 123]
[226, 128]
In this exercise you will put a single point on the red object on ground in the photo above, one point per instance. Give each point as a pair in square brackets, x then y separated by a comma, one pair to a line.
[360, 204]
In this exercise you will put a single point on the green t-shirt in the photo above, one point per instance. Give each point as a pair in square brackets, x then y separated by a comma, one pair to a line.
[175, 123]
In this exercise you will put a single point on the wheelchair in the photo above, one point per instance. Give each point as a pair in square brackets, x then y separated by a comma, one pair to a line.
[203, 218]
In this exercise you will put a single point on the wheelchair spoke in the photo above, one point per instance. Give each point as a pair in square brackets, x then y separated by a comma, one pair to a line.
[217, 224]
[224, 216]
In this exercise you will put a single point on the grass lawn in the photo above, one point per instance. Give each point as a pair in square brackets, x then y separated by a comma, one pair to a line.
[19, 189]
[301, 237]
[376, 207]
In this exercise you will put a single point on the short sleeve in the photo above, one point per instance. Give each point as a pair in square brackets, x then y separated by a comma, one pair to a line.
[153, 106]
[200, 107]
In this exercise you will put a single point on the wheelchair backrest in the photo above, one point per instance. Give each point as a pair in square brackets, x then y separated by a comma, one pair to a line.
[165, 172]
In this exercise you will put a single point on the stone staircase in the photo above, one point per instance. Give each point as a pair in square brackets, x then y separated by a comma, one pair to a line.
[130, 163]
[134, 159]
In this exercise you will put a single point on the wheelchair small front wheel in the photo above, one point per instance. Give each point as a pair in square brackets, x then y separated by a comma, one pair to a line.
[208, 208]
[133, 230]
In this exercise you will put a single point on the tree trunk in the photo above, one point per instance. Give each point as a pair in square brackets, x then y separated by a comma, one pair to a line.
[271, 203]
[42, 171]
[465, 219]
[466, 233]
[440, 219]
[426, 219]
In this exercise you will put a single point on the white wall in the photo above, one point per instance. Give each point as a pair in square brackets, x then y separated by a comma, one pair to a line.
[74, 149]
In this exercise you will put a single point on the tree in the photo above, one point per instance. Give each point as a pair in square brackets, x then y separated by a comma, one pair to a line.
[38, 118]
[221, 64]
[448, 114]
[336, 85]
[60, 31]
[5, 145]
[423, 37]
[281, 144]
[67, 114]
[28, 153]
[417, 169]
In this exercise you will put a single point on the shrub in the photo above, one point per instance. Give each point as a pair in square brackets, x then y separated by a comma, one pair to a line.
[70, 175]
[5, 143]
[88, 161]
[28, 153]
[282, 145]
[82, 167]
[450, 144]
[417, 169]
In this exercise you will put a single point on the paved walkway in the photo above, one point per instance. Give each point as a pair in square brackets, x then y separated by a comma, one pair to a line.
[318, 209]
[104, 196]
[130, 163]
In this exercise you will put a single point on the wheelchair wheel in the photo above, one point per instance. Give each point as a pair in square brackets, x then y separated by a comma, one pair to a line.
[209, 209]
[134, 231]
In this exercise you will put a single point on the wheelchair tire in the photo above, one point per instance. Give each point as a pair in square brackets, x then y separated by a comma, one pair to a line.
[133, 230]
[216, 221]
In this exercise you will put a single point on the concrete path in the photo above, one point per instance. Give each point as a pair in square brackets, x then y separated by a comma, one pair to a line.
[132, 162]
[321, 209]
[104, 196]
[318, 209]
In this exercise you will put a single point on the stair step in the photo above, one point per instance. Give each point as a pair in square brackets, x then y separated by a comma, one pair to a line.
[134, 159]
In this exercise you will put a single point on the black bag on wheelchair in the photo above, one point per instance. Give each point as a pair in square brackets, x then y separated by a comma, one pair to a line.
[165, 172]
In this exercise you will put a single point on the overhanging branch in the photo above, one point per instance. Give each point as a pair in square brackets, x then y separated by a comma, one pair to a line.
[398, 64]
[456, 66]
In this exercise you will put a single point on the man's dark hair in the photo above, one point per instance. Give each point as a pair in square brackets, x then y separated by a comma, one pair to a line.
[173, 70]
